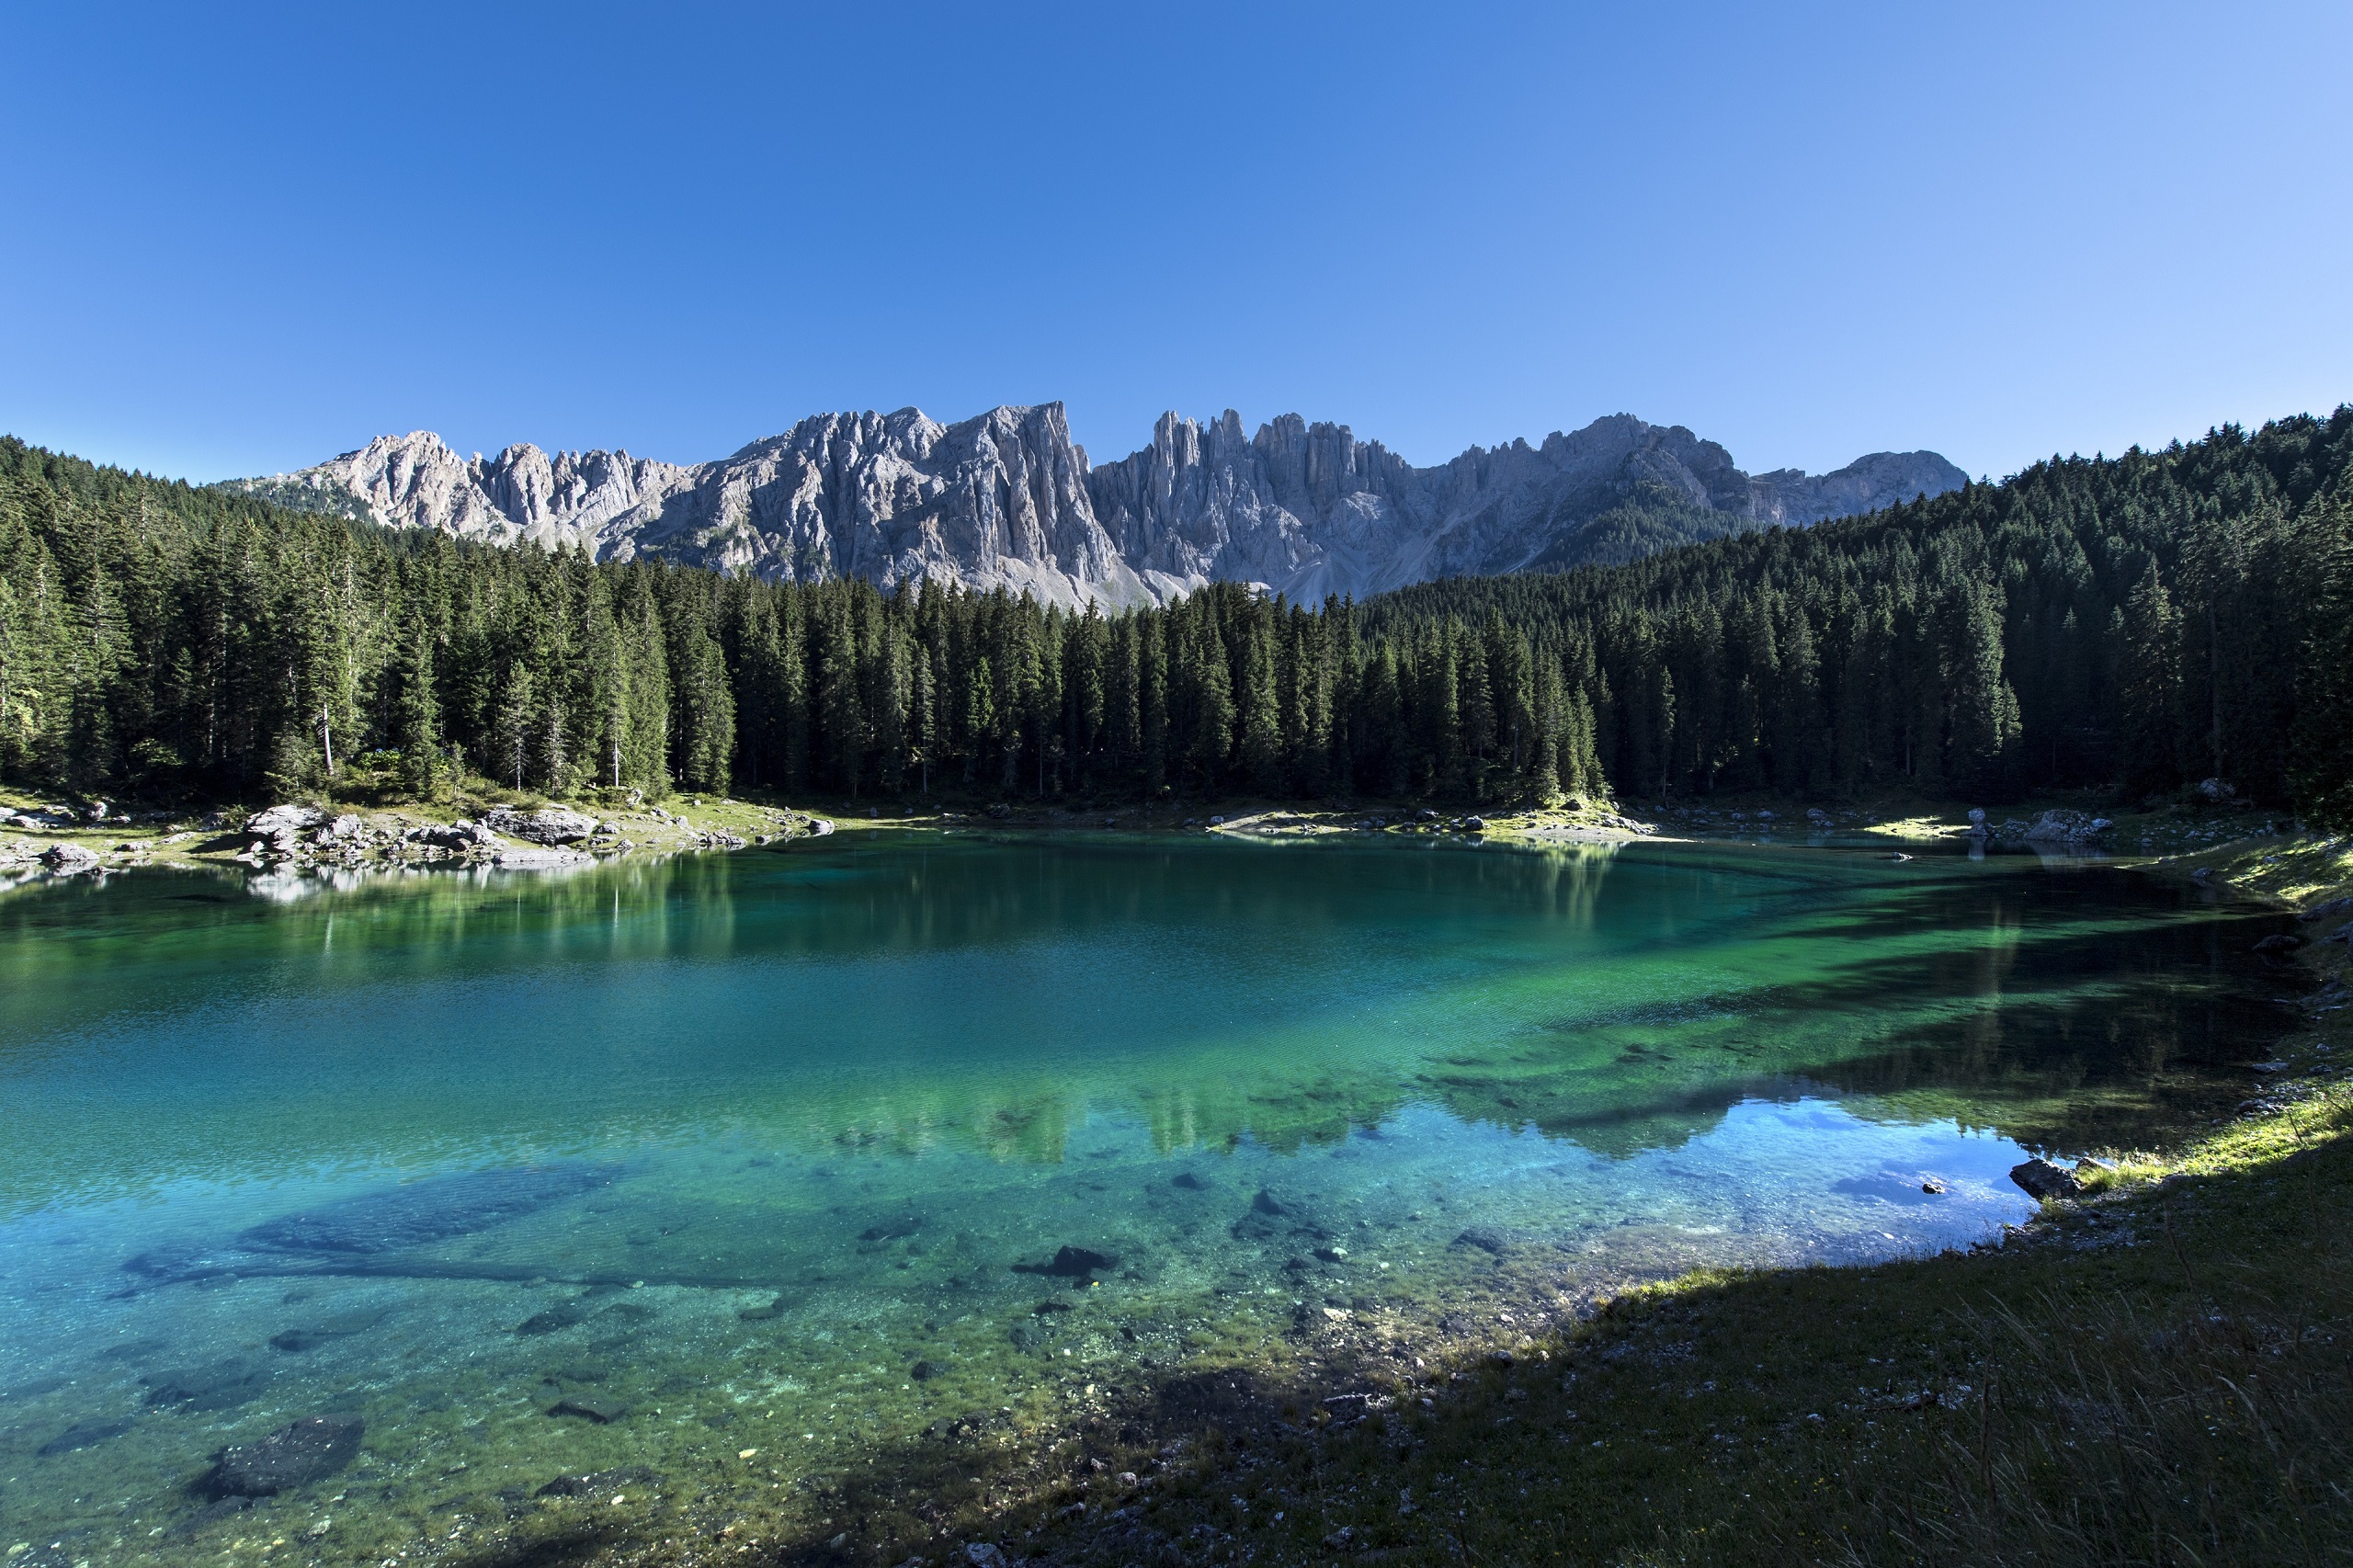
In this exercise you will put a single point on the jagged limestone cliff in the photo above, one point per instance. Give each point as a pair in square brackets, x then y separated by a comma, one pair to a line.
[1007, 499]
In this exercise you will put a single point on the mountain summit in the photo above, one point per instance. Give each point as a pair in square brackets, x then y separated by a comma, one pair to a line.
[1007, 500]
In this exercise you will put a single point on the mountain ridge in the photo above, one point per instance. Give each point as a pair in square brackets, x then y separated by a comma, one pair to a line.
[1006, 499]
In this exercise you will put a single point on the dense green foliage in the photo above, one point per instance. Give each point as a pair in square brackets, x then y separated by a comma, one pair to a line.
[2139, 623]
[154, 635]
[2142, 623]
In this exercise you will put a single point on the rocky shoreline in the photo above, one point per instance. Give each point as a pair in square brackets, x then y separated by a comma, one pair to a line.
[62, 840]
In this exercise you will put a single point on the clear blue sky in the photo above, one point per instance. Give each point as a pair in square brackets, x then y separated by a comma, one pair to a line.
[239, 240]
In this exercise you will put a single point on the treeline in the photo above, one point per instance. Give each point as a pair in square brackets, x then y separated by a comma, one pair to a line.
[2140, 623]
[155, 637]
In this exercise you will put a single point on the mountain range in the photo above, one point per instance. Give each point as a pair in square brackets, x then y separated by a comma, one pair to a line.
[1006, 499]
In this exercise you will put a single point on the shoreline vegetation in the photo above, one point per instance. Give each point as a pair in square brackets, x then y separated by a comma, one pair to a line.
[50, 833]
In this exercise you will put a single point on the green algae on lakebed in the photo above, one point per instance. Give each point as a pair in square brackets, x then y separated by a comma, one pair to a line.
[820, 1105]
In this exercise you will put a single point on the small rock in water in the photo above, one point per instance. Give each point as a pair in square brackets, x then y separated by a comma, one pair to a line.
[2279, 945]
[632, 1312]
[1482, 1238]
[1070, 1262]
[561, 1316]
[1267, 1203]
[924, 1372]
[1189, 1182]
[2042, 1179]
[308, 1449]
[775, 1309]
[603, 1412]
[892, 1230]
[594, 1484]
[83, 1435]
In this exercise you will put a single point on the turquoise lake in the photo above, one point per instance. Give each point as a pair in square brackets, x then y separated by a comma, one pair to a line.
[728, 1171]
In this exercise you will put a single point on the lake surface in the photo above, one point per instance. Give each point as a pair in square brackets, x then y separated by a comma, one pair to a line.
[740, 1153]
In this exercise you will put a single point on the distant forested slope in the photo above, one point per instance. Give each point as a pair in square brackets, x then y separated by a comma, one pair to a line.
[2140, 622]
[2137, 623]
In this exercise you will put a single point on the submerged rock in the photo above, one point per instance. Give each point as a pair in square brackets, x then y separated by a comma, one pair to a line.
[1267, 1203]
[2042, 1179]
[2279, 945]
[603, 1412]
[775, 1309]
[1070, 1262]
[83, 1435]
[1484, 1239]
[562, 1316]
[593, 1484]
[307, 1451]
[419, 1214]
[1189, 1182]
[223, 1386]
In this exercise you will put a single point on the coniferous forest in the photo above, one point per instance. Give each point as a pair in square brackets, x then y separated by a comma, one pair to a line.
[2134, 624]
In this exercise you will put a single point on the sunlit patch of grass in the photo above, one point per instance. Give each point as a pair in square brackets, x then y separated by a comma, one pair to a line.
[2301, 870]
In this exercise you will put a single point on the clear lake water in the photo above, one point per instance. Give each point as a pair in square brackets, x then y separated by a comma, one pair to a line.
[732, 1170]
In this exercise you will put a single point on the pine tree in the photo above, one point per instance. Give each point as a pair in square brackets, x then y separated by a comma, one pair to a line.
[419, 724]
[2322, 769]
[1261, 715]
[2149, 716]
[1983, 727]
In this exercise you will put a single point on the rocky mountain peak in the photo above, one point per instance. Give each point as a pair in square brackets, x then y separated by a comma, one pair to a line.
[1006, 499]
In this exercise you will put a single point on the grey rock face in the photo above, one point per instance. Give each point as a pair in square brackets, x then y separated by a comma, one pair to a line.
[1882, 479]
[69, 859]
[1007, 500]
[555, 824]
[461, 836]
